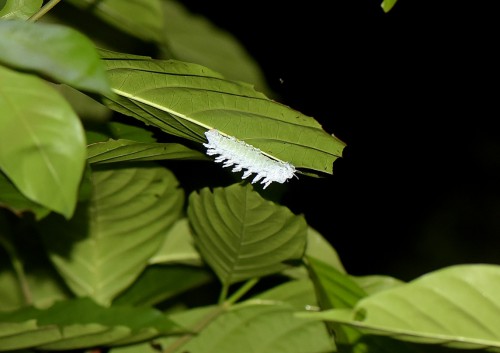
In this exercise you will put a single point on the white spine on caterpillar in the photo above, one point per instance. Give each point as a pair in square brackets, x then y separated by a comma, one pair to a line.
[247, 157]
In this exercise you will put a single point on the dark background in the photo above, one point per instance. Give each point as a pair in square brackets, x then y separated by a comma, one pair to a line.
[414, 94]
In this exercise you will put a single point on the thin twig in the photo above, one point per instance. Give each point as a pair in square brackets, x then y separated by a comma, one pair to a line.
[211, 316]
[45, 8]
[18, 267]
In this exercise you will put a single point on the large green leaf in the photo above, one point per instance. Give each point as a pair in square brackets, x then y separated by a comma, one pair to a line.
[458, 306]
[104, 248]
[139, 18]
[19, 9]
[249, 327]
[58, 52]
[187, 99]
[195, 39]
[241, 235]
[42, 144]
[113, 151]
[80, 323]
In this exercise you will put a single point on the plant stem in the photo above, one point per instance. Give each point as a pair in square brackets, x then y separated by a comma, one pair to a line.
[198, 327]
[45, 8]
[220, 309]
[223, 293]
[242, 290]
[18, 268]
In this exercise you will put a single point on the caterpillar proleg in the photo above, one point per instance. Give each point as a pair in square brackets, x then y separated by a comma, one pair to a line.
[243, 156]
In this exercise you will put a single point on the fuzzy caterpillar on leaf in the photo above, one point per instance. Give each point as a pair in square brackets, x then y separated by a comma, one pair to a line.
[242, 155]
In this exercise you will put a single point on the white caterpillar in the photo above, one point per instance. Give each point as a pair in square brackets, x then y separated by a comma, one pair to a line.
[244, 156]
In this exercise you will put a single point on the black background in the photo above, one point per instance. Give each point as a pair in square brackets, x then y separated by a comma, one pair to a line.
[414, 94]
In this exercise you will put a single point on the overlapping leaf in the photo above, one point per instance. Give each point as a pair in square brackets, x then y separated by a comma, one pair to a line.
[241, 235]
[319, 248]
[19, 9]
[387, 5]
[457, 306]
[195, 39]
[54, 51]
[113, 151]
[42, 144]
[11, 198]
[336, 289]
[178, 246]
[104, 248]
[80, 323]
[187, 99]
[139, 18]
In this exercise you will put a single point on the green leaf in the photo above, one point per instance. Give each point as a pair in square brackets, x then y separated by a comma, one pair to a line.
[110, 54]
[42, 144]
[195, 39]
[80, 323]
[159, 283]
[58, 52]
[241, 235]
[125, 150]
[19, 9]
[139, 18]
[336, 289]
[319, 248]
[178, 246]
[457, 307]
[376, 283]
[12, 199]
[339, 290]
[186, 99]
[105, 247]
[247, 328]
[387, 5]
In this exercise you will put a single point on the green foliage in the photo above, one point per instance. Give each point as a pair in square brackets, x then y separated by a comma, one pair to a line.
[59, 53]
[235, 236]
[125, 219]
[80, 323]
[186, 100]
[100, 249]
[387, 5]
[43, 138]
[19, 9]
[457, 306]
